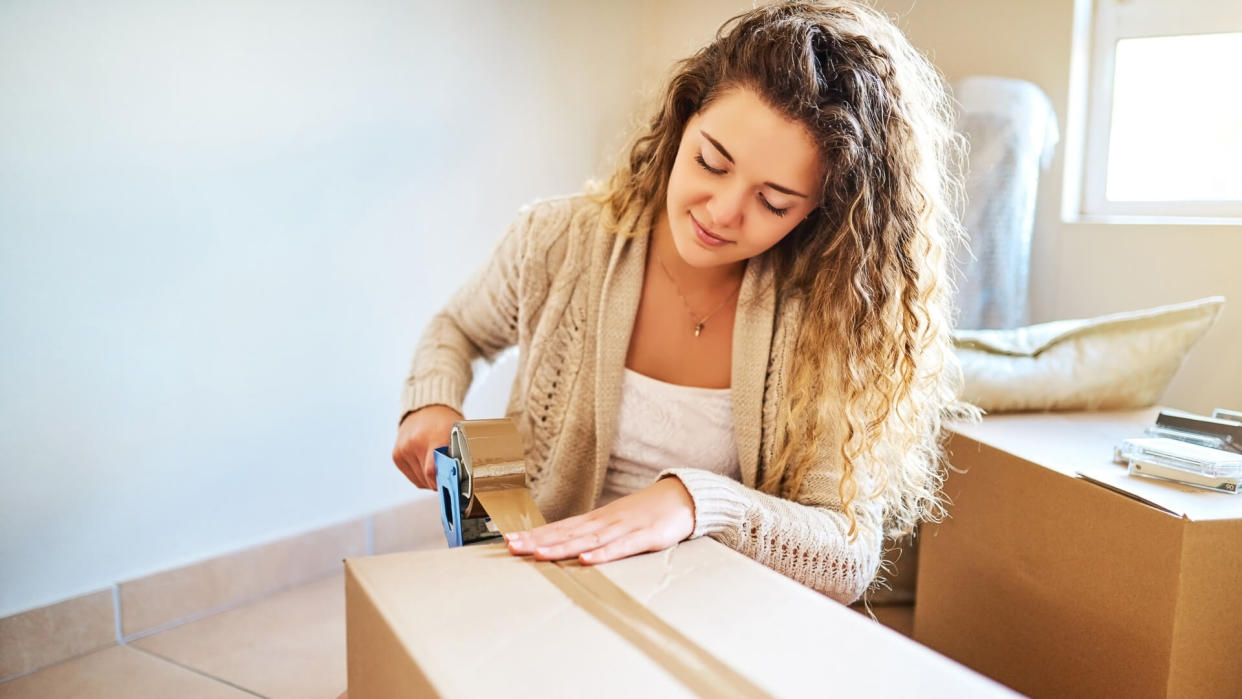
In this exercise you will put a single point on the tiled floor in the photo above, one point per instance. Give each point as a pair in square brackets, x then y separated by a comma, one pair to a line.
[118, 672]
[288, 645]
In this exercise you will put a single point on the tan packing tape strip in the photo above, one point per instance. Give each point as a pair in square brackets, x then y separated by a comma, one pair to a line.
[513, 509]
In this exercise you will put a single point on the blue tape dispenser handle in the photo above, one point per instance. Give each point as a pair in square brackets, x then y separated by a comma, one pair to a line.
[448, 482]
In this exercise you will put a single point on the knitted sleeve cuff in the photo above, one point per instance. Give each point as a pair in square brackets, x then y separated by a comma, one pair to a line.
[720, 503]
[434, 389]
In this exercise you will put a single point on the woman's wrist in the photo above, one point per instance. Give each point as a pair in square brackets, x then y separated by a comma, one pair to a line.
[719, 502]
[681, 495]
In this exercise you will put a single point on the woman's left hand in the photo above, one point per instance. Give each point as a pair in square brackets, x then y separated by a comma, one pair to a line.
[651, 519]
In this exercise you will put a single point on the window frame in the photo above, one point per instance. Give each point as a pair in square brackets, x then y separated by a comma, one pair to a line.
[1112, 21]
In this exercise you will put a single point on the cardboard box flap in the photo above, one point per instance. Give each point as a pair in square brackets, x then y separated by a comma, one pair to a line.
[1081, 445]
[478, 621]
[1196, 504]
[1064, 442]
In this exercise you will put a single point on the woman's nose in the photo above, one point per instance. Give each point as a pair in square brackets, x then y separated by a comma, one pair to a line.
[725, 207]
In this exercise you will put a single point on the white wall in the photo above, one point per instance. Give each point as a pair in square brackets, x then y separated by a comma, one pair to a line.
[222, 227]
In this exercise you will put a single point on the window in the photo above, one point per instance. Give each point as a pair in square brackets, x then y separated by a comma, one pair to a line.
[1164, 119]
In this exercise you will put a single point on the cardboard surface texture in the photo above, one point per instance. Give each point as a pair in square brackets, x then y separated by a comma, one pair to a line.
[477, 621]
[1059, 574]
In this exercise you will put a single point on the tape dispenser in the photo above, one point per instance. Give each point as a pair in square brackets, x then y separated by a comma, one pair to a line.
[481, 455]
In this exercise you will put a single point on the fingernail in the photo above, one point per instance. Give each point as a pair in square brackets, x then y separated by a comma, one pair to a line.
[511, 537]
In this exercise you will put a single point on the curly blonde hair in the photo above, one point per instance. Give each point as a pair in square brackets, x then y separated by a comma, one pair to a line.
[870, 265]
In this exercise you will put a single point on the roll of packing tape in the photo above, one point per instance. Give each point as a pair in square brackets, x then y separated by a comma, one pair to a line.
[492, 459]
[492, 454]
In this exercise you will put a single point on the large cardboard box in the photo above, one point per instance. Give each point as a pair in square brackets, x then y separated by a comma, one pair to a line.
[479, 622]
[1060, 575]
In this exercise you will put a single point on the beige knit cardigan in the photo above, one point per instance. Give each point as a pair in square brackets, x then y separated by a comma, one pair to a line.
[566, 291]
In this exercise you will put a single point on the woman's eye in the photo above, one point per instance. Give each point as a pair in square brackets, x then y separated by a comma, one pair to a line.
[703, 163]
[773, 209]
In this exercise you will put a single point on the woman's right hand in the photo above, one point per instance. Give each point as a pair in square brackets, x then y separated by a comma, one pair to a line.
[417, 438]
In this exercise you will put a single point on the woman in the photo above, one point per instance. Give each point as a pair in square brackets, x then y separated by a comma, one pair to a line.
[743, 334]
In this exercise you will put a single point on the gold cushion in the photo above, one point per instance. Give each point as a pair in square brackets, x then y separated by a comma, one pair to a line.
[1113, 362]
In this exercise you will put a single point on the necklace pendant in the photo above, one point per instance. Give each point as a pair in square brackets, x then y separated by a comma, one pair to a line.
[698, 328]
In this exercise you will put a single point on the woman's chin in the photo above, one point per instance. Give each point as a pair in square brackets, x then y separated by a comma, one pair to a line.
[699, 259]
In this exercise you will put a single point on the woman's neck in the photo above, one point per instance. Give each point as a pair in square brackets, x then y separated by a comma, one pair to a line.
[692, 280]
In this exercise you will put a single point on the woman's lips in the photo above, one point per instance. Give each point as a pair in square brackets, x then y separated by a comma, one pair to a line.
[706, 237]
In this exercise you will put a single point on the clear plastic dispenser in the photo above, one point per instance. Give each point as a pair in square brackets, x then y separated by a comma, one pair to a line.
[1174, 460]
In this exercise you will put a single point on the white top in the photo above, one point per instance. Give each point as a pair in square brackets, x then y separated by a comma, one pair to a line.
[662, 425]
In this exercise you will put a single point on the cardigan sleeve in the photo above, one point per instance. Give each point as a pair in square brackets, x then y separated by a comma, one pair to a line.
[480, 320]
[805, 540]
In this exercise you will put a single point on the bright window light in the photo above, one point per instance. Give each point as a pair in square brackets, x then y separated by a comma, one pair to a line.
[1176, 131]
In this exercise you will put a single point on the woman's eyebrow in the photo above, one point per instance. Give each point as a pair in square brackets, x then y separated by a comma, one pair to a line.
[725, 153]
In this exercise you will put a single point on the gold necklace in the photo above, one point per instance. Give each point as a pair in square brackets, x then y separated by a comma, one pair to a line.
[699, 323]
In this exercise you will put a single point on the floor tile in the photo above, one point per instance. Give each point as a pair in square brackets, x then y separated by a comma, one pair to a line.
[50, 634]
[173, 595]
[287, 646]
[117, 673]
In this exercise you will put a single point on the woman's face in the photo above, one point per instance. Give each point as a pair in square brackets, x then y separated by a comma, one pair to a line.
[744, 176]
